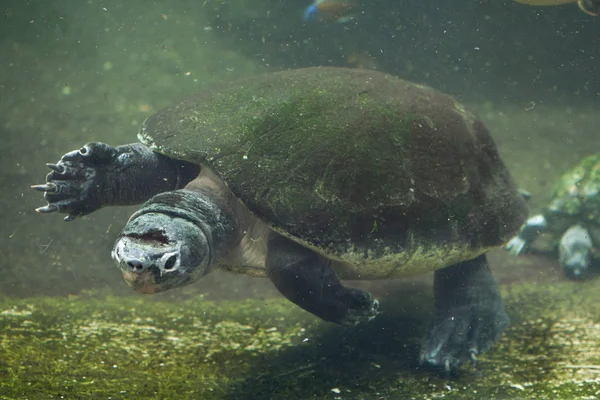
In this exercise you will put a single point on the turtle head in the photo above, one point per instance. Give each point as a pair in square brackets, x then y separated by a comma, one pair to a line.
[575, 250]
[165, 244]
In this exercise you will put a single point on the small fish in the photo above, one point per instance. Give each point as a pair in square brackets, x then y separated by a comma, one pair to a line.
[362, 60]
[545, 2]
[592, 7]
[330, 11]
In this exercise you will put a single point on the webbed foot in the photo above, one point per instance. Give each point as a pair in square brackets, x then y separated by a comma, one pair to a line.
[469, 315]
[462, 335]
[360, 307]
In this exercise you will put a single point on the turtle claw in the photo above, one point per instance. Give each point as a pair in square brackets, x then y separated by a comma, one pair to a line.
[49, 188]
[446, 366]
[69, 218]
[55, 167]
[50, 208]
[462, 334]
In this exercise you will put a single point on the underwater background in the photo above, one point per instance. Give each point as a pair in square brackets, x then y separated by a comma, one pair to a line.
[72, 72]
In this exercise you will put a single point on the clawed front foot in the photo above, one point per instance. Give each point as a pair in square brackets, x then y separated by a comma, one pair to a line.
[461, 335]
[74, 185]
[527, 234]
[516, 246]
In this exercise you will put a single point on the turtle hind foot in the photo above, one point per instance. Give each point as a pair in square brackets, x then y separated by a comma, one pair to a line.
[469, 315]
[361, 307]
[460, 337]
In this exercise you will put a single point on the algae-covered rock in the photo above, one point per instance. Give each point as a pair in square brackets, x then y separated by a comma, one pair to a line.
[97, 346]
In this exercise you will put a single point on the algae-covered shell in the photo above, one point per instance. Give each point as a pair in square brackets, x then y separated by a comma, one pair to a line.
[349, 161]
[576, 195]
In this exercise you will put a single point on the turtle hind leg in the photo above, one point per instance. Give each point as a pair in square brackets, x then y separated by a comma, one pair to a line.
[469, 315]
[306, 278]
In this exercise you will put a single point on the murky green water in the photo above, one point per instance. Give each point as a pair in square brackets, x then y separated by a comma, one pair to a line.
[72, 72]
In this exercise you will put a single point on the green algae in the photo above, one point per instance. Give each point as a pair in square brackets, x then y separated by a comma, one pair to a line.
[99, 346]
[120, 346]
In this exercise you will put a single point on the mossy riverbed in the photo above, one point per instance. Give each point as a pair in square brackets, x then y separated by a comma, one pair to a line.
[96, 345]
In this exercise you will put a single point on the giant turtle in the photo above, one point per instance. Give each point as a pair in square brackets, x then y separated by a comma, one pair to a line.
[308, 177]
[572, 219]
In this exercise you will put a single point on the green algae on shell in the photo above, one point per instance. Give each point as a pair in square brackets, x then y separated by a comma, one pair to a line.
[325, 154]
[576, 199]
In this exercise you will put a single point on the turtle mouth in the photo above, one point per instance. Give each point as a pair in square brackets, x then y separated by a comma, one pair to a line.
[156, 236]
[144, 282]
[149, 261]
[150, 282]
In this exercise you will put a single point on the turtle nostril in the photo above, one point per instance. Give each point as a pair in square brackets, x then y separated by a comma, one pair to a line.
[170, 264]
[135, 266]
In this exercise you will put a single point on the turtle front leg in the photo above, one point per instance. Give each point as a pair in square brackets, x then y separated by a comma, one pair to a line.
[469, 315]
[99, 175]
[306, 279]
[530, 230]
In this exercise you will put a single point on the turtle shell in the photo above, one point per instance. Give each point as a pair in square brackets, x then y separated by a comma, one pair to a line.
[576, 197]
[357, 164]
